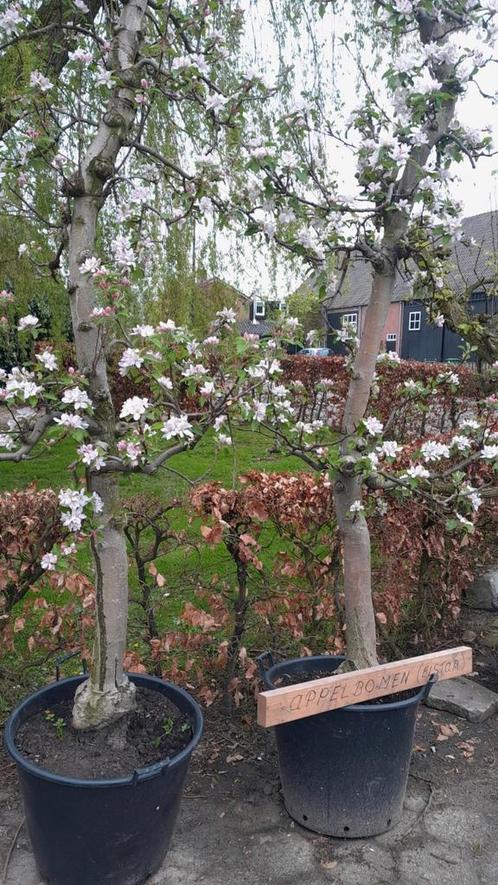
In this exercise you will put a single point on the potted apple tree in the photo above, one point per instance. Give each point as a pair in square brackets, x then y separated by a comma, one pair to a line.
[344, 773]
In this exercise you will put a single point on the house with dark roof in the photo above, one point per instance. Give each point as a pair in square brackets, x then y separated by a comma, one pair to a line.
[261, 317]
[408, 332]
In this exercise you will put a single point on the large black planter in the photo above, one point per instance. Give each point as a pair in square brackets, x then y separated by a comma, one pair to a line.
[101, 832]
[344, 772]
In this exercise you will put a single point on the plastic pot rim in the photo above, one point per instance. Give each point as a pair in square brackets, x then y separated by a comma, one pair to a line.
[351, 708]
[136, 776]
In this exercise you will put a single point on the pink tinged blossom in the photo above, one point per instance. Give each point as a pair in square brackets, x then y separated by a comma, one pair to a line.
[68, 549]
[373, 426]
[165, 382]
[48, 360]
[73, 422]
[91, 456]
[48, 562]
[219, 422]
[224, 440]
[40, 82]
[134, 407]
[22, 249]
[11, 19]
[78, 398]
[207, 388]
[168, 326]
[7, 442]
[6, 296]
[194, 371]
[27, 322]
[177, 426]
[80, 55]
[212, 340]
[131, 450]
[131, 358]
[434, 451]
[99, 312]
[81, 5]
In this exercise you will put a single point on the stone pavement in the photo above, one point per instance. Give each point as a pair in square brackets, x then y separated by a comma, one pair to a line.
[233, 829]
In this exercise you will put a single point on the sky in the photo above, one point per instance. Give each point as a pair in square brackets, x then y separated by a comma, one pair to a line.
[477, 188]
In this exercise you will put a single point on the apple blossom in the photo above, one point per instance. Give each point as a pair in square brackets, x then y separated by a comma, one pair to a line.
[27, 322]
[48, 562]
[434, 451]
[373, 426]
[48, 360]
[177, 426]
[134, 407]
[77, 397]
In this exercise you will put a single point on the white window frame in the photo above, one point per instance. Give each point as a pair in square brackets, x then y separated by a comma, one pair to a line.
[391, 336]
[259, 308]
[414, 320]
[350, 319]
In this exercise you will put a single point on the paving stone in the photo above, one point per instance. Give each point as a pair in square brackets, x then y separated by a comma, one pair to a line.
[418, 866]
[465, 698]
[457, 826]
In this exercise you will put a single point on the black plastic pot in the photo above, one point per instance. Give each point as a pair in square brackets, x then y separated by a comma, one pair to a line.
[344, 772]
[101, 832]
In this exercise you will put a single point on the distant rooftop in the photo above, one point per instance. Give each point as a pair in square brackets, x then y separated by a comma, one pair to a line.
[471, 265]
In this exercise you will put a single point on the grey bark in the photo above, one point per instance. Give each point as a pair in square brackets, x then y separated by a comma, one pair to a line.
[107, 694]
[360, 615]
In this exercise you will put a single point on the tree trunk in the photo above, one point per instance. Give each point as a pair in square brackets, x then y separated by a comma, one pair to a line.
[360, 615]
[107, 694]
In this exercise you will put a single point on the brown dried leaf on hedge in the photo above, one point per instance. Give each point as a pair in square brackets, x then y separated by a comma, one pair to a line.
[30, 526]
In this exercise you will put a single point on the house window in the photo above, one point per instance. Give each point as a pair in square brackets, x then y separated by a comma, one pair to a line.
[259, 309]
[350, 319]
[414, 320]
[391, 339]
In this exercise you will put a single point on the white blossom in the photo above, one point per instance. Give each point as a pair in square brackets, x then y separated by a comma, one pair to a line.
[489, 453]
[165, 382]
[145, 331]
[48, 562]
[77, 397]
[130, 358]
[7, 442]
[390, 448]
[177, 426]
[417, 471]
[215, 102]
[462, 443]
[228, 315]
[224, 440]
[48, 360]
[356, 507]
[434, 451]
[373, 426]
[134, 407]
[27, 322]
[91, 266]
[75, 422]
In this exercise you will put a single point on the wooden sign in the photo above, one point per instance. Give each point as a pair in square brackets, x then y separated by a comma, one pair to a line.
[309, 698]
